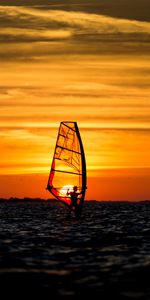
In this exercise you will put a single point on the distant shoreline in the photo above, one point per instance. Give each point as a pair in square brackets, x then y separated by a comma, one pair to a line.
[26, 199]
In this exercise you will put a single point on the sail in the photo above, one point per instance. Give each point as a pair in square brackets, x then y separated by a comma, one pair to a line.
[68, 167]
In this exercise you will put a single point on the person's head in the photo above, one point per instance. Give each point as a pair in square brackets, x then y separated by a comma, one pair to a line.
[75, 188]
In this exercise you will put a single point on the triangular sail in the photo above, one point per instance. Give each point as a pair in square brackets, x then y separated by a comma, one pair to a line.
[68, 167]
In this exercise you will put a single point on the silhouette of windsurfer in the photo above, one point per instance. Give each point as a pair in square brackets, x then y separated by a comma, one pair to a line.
[74, 198]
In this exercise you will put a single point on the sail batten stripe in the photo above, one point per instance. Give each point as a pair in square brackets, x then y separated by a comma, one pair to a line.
[68, 127]
[67, 172]
[63, 135]
[69, 149]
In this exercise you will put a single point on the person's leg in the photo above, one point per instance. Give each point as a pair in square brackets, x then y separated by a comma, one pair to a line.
[70, 210]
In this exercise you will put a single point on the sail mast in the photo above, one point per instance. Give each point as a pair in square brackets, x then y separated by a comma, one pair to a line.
[83, 163]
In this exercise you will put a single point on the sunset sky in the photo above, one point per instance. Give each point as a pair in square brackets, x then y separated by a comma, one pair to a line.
[75, 61]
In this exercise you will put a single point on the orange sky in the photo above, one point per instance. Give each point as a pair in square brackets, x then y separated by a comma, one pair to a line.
[75, 66]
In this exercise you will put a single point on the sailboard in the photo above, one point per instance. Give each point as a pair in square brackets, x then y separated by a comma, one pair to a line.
[68, 168]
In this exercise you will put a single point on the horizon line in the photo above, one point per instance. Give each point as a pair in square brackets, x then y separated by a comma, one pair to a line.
[55, 200]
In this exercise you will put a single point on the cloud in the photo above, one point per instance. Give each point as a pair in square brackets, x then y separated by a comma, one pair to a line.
[20, 22]
[36, 34]
[131, 9]
[24, 35]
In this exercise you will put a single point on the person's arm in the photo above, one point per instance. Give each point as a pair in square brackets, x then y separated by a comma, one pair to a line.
[68, 193]
[81, 192]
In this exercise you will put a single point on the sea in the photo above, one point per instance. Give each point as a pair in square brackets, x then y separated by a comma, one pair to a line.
[104, 255]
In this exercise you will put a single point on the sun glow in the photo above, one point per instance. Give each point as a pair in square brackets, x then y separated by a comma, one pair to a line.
[66, 188]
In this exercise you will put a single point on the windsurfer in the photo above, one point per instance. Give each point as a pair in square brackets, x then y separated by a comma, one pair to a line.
[74, 198]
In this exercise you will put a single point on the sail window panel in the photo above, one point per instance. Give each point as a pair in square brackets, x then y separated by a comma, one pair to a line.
[69, 157]
[64, 179]
[64, 166]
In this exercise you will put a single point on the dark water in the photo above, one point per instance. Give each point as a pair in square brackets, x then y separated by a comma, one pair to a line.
[105, 254]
